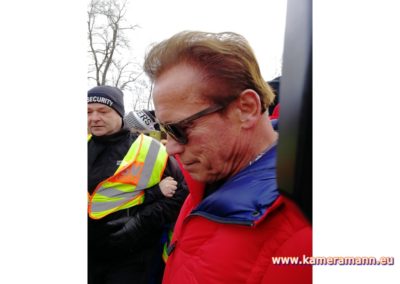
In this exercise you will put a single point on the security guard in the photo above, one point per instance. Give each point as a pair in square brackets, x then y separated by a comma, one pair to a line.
[127, 212]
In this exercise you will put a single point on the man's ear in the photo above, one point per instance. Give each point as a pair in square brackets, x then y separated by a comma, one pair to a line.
[249, 106]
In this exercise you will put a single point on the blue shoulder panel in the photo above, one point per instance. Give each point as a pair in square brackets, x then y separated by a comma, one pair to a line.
[244, 198]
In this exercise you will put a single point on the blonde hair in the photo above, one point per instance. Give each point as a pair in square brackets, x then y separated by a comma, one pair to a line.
[224, 57]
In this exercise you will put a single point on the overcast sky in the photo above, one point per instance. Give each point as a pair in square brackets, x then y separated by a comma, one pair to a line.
[261, 22]
[262, 25]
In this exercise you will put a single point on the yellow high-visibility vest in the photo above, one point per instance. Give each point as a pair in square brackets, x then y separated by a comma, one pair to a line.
[141, 168]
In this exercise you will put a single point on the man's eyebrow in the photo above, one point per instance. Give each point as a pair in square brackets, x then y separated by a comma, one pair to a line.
[103, 108]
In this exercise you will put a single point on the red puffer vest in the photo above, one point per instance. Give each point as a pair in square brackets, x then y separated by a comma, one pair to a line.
[216, 241]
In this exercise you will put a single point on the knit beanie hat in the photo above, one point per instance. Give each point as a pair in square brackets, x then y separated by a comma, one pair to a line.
[109, 96]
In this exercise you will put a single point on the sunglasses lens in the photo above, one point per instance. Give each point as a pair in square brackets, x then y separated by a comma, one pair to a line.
[176, 132]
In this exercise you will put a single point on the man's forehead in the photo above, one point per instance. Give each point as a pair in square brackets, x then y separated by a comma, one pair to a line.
[97, 106]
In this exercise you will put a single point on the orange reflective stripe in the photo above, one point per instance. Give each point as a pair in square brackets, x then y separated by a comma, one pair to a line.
[130, 175]
[132, 154]
[147, 160]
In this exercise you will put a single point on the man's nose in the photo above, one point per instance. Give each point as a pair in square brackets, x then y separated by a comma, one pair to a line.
[173, 147]
[93, 116]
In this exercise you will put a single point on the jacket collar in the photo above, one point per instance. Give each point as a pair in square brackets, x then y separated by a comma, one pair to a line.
[246, 197]
[113, 138]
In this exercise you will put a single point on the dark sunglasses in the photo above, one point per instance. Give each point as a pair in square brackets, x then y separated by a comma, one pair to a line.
[177, 130]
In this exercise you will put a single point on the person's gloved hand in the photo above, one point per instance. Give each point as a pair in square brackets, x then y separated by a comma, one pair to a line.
[124, 232]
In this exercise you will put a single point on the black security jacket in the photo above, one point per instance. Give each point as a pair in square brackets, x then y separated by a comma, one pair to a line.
[157, 211]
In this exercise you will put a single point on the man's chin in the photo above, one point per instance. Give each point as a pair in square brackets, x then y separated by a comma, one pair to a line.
[197, 172]
[198, 176]
[98, 132]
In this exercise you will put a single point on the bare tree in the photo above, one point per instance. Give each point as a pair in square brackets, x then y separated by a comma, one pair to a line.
[109, 45]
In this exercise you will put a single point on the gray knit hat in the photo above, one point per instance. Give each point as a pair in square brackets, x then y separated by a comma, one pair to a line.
[108, 95]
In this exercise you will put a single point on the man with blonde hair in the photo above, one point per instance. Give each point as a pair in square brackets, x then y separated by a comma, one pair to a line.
[212, 101]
